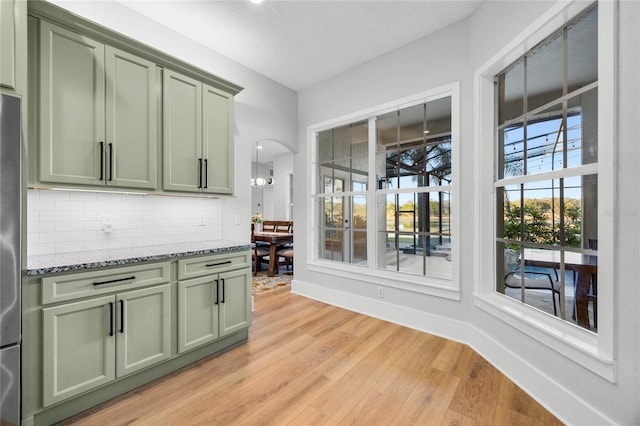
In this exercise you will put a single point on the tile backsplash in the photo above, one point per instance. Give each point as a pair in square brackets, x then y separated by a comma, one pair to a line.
[67, 221]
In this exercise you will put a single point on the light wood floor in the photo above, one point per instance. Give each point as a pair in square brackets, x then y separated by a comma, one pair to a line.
[307, 363]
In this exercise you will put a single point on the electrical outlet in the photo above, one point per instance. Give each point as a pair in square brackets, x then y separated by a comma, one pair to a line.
[380, 292]
[203, 220]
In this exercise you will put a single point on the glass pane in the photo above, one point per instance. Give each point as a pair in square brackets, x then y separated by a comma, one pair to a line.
[545, 72]
[333, 241]
[326, 179]
[438, 163]
[572, 219]
[389, 260]
[333, 212]
[325, 146]
[359, 247]
[438, 117]
[387, 212]
[341, 143]
[512, 148]
[511, 197]
[545, 141]
[439, 212]
[359, 212]
[412, 124]
[582, 126]
[582, 51]
[589, 219]
[541, 216]
[511, 92]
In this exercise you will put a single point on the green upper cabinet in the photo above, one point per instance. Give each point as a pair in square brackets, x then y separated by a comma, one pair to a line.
[97, 113]
[131, 133]
[71, 107]
[198, 136]
[217, 140]
[7, 44]
[182, 133]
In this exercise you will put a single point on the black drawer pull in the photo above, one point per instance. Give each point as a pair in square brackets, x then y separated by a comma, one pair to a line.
[132, 277]
[209, 265]
[222, 301]
[110, 318]
[121, 316]
[217, 293]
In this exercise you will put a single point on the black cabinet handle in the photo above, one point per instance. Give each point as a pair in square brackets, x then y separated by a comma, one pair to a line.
[110, 318]
[110, 161]
[121, 316]
[222, 301]
[132, 277]
[199, 172]
[206, 173]
[101, 160]
[209, 265]
[217, 293]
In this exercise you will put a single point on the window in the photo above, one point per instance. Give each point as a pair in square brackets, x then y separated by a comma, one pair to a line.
[383, 190]
[546, 186]
[413, 159]
[572, 183]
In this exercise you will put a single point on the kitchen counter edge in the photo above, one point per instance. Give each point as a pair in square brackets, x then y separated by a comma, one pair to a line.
[93, 259]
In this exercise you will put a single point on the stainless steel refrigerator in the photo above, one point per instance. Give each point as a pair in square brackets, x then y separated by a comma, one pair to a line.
[10, 265]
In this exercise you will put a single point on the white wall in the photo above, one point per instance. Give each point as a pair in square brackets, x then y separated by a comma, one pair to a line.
[282, 164]
[263, 110]
[572, 392]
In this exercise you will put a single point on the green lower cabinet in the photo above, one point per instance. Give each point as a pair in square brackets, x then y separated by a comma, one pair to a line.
[144, 328]
[235, 309]
[78, 348]
[92, 342]
[212, 307]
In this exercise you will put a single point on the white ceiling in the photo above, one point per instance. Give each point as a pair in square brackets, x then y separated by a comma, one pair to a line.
[299, 43]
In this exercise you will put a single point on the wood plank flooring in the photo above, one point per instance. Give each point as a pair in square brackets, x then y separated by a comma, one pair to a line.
[307, 363]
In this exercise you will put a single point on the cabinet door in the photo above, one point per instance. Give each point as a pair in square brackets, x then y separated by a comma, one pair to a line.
[217, 140]
[71, 107]
[131, 138]
[78, 347]
[7, 44]
[198, 303]
[143, 328]
[235, 301]
[182, 133]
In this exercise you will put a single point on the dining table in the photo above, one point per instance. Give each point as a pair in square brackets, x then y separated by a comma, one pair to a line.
[584, 265]
[274, 239]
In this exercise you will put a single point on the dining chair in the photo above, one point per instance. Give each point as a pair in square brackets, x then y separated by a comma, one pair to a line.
[514, 278]
[259, 252]
[287, 254]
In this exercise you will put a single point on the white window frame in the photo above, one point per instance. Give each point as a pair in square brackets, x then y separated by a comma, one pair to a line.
[592, 351]
[446, 288]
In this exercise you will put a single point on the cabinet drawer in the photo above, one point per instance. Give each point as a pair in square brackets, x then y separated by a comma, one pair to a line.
[86, 284]
[206, 265]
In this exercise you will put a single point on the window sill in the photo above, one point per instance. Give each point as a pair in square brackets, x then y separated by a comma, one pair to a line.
[418, 284]
[578, 345]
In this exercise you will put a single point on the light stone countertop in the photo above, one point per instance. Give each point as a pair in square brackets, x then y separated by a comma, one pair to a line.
[64, 262]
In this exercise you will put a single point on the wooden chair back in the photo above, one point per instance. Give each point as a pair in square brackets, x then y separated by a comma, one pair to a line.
[277, 226]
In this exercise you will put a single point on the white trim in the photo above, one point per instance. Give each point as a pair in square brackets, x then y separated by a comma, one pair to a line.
[587, 169]
[448, 288]
[415, 283]
[535, 382]
[594, 352]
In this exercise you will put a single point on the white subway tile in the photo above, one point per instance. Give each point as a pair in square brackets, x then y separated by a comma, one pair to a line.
[54, 195]
[53, 216]
[69, 247]
[36, 249]
[54, 237]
